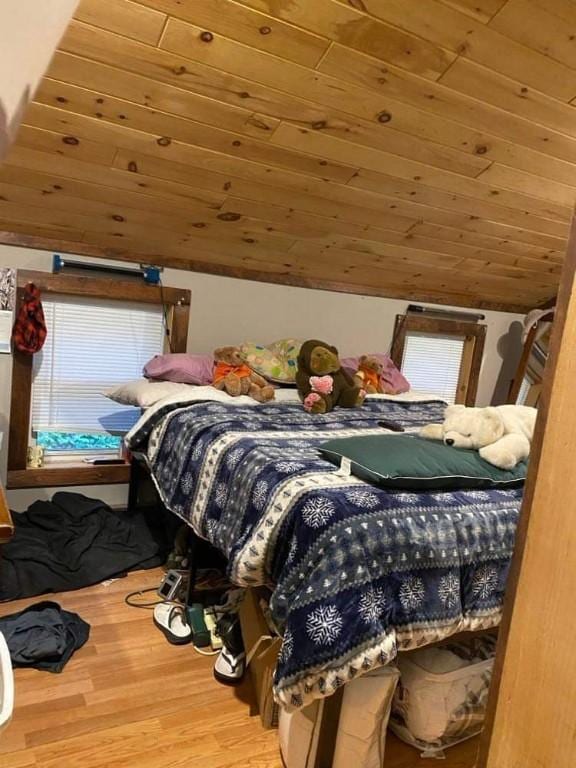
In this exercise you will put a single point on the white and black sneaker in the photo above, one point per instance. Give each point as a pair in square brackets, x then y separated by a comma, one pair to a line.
[231, 663]
[171, 620]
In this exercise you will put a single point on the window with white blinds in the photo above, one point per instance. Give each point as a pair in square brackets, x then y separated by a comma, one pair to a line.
[431, 363]
[91, 345]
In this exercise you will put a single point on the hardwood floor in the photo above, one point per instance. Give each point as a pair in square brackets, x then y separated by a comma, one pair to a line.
[128, 699]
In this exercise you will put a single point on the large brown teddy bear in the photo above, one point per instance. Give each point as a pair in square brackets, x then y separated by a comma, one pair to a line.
[322, 382]
[232, 375]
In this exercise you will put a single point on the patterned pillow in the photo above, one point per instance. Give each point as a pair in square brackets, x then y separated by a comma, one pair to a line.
[277, 362]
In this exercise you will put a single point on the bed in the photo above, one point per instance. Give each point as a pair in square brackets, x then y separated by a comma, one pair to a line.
[358, 573]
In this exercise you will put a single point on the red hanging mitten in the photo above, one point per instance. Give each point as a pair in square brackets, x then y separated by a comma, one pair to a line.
[29, 332]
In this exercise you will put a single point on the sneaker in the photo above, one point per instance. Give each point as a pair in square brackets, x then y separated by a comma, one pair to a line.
[170, 618]
[231, 663]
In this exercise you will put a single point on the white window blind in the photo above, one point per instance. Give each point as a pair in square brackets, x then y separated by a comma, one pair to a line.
[431, 363]
[91, 345]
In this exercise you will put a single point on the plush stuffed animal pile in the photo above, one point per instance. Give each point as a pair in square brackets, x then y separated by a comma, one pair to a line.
[232, 375]
[322, 382]
[501, 434]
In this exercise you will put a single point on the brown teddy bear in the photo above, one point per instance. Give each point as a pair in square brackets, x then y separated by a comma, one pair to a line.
[232, 375]
[369, 373]
[322, 382]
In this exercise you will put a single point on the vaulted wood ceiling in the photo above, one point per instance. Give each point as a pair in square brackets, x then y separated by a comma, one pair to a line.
[416, 148]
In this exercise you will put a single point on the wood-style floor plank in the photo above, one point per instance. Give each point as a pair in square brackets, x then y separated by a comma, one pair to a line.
[128, 699]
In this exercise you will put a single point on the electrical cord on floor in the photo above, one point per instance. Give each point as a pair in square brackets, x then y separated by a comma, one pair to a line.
[141, 593]
[205, 653]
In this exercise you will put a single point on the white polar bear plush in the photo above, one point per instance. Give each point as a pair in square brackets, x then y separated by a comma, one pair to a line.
[502, 434]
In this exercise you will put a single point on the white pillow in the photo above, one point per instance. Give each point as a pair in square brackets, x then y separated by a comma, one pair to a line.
[143, 393]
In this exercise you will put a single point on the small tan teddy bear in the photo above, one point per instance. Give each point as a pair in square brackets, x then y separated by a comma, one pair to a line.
[233, 376]
[369, 373]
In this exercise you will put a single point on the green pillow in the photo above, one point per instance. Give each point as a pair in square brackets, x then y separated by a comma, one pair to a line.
[277, 362]
[413, 463]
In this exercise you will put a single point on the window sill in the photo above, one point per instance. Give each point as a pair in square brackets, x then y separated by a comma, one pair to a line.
[68, 474]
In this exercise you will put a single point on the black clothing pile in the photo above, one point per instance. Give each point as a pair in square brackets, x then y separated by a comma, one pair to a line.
[43, 636]
[72, 542]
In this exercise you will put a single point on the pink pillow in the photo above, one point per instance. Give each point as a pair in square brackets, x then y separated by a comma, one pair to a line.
[181, 368]
[392, 380]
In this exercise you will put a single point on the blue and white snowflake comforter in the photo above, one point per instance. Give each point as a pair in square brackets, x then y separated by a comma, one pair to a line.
[358, 572]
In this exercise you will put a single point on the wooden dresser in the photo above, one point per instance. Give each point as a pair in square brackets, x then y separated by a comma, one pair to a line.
[6, 525]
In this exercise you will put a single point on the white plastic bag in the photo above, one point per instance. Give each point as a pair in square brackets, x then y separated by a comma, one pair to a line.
[442, 695]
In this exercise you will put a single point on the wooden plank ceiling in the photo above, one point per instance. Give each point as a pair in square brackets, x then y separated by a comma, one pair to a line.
[413, 148]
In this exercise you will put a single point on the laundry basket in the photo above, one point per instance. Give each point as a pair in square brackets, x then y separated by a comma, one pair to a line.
[442, 695]
[6, 685]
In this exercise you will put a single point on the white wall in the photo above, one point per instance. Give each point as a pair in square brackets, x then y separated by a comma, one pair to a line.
[229, 311]
[30, 30]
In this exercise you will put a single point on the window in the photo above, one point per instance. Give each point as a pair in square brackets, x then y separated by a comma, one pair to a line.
[439, 356]
[62, 427]
[91, 345]
[431, 363]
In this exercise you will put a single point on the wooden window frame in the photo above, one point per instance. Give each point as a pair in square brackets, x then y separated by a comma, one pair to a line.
[6, 524]
[474, 335]
[177, 306]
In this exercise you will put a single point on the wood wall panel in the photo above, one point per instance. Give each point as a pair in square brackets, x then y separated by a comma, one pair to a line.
[416, 148]
[254, 29]
[127, 18]
[483, 10]
[347, 25]
[471, 103]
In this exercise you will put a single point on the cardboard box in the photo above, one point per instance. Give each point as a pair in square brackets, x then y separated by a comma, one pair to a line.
[356, 728]
[262, 649]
